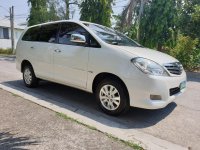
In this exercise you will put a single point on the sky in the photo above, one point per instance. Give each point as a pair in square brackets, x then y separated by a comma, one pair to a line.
[21, 9]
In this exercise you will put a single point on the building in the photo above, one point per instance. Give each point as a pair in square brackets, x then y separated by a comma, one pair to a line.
[5, 34]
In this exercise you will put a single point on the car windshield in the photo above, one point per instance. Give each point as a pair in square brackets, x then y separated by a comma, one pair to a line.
[111, 36]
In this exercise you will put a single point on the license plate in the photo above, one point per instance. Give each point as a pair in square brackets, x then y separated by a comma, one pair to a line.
[182, 85]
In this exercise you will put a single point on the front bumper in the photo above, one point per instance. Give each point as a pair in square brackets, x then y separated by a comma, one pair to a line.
[141, 86]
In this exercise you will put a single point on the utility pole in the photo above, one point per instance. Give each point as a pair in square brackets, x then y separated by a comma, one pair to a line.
[12, 28]
[72, 13]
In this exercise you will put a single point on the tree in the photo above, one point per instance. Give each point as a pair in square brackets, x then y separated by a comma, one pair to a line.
[196, 21]
[38, 12]
[52, 13]
[49, 10]
[132, 14]
[158, 24]
[128, 14]
[64, 9]
[151, 22]
[189, 20]
[187, 52]
[97, 11]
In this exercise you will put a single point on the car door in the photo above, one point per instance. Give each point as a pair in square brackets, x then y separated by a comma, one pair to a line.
[38, 46]
[29, 47]
[71, 58]
[44, 50]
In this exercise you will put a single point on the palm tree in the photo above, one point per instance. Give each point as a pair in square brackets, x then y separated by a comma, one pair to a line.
[128, 14]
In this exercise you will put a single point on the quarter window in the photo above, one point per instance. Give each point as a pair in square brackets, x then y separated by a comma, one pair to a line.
[31, 34]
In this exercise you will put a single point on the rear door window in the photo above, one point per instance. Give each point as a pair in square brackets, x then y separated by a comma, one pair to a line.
[48, 33]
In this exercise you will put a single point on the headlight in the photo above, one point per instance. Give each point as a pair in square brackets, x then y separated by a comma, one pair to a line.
[149, 67]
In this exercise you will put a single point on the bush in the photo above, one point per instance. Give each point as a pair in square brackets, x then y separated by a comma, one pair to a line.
[6, 51]
[187, 52]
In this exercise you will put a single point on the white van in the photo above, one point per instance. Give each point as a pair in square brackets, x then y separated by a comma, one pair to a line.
[98, 59]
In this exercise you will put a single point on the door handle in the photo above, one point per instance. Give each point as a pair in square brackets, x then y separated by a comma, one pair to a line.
[57, 50]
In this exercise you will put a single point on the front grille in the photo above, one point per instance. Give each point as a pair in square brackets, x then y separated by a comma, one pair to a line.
[174, 68]
[174, 91]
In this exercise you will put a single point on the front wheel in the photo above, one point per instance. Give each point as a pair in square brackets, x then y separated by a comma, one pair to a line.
[112, 97]
[30, 80]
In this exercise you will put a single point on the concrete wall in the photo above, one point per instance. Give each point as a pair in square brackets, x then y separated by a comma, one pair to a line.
[6, 43]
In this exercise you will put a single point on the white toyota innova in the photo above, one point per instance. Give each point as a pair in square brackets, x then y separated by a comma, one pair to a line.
[101, 60]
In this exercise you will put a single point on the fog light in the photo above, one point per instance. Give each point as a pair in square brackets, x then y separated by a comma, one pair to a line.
[155, 97]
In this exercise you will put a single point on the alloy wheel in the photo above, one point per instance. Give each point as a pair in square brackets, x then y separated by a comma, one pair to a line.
[27, 76]
[109, 97]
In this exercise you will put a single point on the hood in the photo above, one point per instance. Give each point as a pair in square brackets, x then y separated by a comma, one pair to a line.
[154, 55]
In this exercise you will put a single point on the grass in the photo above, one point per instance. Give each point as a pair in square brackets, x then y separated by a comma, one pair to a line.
[15, 95]
[130, 144]
[6, 51]
[74, 120]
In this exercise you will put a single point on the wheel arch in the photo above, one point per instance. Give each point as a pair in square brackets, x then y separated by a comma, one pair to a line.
[105, 75]
[24, 63]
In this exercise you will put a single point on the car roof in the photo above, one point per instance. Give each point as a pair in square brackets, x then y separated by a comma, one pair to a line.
[60, 21]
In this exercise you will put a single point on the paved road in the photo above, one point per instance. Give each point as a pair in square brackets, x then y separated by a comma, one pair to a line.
[25, 125]
[178, 123]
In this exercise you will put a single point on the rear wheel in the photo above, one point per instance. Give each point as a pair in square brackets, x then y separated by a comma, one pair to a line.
[30, 80]
[112, 97]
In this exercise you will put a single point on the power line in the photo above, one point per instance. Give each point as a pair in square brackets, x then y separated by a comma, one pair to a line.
[21, 15]
[5, 9]
[4, 19]
[20, 18]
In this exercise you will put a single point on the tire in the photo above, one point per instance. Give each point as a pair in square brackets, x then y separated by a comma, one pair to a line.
[29, 78]
[113, 101]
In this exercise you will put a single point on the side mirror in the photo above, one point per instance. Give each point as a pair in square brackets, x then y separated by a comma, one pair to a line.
[78, 38]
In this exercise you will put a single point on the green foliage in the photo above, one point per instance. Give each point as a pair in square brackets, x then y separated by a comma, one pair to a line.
[97, 11]
[6, 51]
[129, 31]
[187, 52]
[38, 12]
[49, 10]
[189, 20]
[196, 21]
[157, 25]
[52, 13]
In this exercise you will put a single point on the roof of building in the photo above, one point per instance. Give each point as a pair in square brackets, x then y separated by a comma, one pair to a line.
[7, 24]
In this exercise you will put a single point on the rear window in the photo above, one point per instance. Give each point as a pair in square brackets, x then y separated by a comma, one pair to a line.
[31, 34]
